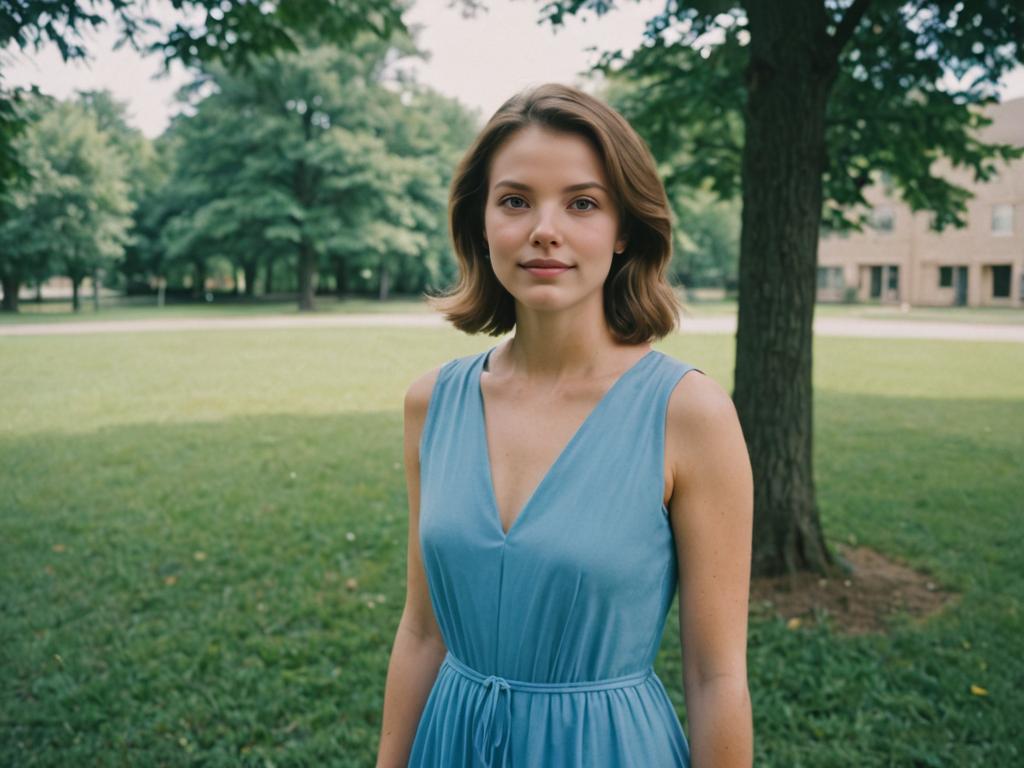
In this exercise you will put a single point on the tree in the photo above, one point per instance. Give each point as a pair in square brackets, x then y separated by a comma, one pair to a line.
[827, 92]
[19, 259]
[315, 157]
[707, 231]
[73, 217]
[226, 31]
[144, 173]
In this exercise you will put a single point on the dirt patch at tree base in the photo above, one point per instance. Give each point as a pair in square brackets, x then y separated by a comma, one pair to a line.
[861, 594]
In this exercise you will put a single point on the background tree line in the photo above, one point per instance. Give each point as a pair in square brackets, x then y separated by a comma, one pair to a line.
[307, 172]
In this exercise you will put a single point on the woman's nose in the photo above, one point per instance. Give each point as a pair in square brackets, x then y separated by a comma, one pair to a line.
[546, 231]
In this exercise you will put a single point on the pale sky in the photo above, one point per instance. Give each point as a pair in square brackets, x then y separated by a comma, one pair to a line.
[480, 61]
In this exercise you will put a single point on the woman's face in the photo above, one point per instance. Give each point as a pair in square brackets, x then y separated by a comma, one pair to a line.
[548, 199]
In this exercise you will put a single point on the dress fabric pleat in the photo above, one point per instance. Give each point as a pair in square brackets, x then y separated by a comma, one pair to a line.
[552, 628]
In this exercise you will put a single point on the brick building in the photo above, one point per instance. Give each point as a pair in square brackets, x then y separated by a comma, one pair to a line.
[900, 260]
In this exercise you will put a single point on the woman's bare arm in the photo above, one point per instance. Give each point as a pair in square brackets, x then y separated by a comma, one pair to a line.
[712, 518]
[418, 649]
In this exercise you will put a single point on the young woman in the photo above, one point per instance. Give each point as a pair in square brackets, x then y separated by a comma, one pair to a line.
[564, 482]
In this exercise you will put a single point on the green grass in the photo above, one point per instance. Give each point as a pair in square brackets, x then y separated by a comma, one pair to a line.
[175, 540]
[137, 308]
[145, 309]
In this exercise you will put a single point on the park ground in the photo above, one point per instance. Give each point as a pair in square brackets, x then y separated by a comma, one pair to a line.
[114, 308]
[203, 548]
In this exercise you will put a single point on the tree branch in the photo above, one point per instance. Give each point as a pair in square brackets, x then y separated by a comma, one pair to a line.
[848, 24]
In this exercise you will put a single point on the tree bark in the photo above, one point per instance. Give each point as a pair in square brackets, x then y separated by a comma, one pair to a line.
[249, 270]
[307, 277]
[76, 301]
[385, 282]
[340, 278]
[11, 284]
[788, 80]
[199, 287]
[268, 283]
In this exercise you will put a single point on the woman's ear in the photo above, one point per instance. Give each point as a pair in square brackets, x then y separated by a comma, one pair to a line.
[620, 246]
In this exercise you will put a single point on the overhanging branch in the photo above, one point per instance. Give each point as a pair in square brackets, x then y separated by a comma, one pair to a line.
[848, 24]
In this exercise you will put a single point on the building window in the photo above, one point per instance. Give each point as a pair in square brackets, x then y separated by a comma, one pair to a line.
[1001, 282]
[883, 219]
[1002, 219]
[885, 282]
[945, 277]
[830, 278]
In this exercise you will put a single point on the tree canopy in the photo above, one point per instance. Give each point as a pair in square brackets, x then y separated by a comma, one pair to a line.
[911, 81]
[73, 218]
[230, 32]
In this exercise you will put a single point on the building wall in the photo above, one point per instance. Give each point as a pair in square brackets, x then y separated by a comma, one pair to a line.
[918, 254]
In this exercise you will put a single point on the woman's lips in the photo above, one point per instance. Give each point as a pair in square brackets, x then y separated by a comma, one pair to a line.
[547, 271]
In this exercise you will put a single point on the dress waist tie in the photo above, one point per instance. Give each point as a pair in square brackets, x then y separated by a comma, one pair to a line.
[494, 721]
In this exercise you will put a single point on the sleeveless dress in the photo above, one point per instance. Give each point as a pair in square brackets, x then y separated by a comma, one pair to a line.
[551, 629]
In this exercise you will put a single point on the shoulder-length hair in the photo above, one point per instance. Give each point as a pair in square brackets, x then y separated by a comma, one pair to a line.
[639, 303]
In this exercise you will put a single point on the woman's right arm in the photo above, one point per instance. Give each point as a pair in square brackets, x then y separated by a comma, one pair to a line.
[418, 649]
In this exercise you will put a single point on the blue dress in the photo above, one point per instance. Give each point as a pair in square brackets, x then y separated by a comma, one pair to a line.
[551, 629]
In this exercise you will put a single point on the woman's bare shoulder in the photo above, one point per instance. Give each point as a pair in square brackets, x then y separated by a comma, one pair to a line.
[417, 395]
[703, 432]
[698, 401]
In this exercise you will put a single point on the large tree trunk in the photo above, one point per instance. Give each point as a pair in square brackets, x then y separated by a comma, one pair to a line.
[783, 162]
[11, 284]
[76, 300]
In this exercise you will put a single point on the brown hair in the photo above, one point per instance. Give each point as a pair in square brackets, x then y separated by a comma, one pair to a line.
[639, 303]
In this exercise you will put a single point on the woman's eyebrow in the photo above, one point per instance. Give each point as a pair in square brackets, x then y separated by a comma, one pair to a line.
[571, 188]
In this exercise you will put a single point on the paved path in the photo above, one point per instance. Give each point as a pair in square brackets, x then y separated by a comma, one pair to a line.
[823, 326]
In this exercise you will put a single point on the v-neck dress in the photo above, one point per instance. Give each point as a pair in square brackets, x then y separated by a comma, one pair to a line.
[551, 628]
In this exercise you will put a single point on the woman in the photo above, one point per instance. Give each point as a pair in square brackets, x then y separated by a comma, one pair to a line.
[564, 482]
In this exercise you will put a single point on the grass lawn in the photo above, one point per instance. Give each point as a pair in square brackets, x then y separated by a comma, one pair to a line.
[145, 309]
[181, 513]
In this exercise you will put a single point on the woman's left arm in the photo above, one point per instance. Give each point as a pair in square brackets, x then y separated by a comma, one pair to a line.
[711, 510]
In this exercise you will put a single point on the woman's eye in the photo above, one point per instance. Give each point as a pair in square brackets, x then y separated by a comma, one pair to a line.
[516, 202]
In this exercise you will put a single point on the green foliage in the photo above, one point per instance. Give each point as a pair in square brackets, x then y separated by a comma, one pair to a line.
[145, 172]
[74, 215]
[889, 110]
[312, 151]
[206, 30]
[707, 233]
[226, 31]
[12, 125]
